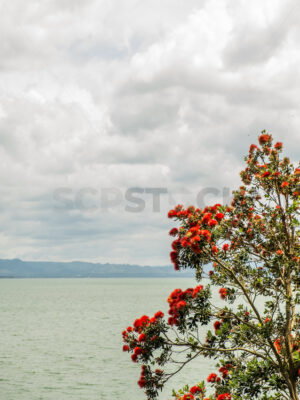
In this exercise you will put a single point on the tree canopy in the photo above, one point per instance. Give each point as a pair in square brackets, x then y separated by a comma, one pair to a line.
[252, 248]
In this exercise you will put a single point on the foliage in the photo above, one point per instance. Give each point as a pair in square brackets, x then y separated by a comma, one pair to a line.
[253, 246]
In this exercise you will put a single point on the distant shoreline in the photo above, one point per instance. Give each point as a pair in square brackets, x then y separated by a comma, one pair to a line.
[18, 269]
[99, 277]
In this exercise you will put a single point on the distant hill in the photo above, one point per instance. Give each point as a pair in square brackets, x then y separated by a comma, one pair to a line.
[76, 269]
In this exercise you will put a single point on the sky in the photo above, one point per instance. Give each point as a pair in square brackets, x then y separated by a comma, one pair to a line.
[112, 112]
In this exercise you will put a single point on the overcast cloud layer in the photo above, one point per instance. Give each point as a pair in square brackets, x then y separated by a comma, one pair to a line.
[98, 95]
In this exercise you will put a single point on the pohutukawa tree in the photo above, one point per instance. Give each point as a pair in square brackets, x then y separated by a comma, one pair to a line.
[252, 247]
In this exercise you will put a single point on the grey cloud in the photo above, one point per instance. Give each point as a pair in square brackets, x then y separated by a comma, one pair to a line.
[126, 94]
[251, 46]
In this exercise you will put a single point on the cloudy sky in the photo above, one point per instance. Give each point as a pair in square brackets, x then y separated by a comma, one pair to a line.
[101, 96]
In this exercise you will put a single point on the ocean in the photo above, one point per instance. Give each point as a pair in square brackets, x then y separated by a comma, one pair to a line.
[60, 339]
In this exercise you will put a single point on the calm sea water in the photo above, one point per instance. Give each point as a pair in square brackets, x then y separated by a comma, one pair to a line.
[60, 339]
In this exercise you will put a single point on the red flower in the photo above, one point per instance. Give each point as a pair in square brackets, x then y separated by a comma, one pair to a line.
[263, 139]
[225, 247]
[267, 173]
[173, 232]
[181, 304]
[140, 323]
[206, 234]
[176, 266]
[173, 256]
[125, 348]
[172, 213]
[212, 222]
[206, 218]
[284, 184]
[176, 244]
[138, 351]
[277, 345]
[214, 249]
[219, 216]
[195, 239]
[217, 325]
[224, 396]
[188, 396]
[278, 145]
[134, 357]
[279, 252]
[197, 290]
[142, 337]
[142, 382]
[212, 378]
[224, 372]
[159, 314]
[195, 390]
[223, 293]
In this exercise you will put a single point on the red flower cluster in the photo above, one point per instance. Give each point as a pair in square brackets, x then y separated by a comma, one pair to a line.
[225, 247]
[173, 232]
[195, 390]
[147, 376]
[143, 322]
[140, 323]
[178, 211]
[252, 148]
[266, 173]
[277, 344]
[142, 338]
[177, 301]
[284, 184]
[142, 380]
[213, 378]
[224, 396]
[217, 325]
[264, 139]
[214, 249]
[224, 370]
[223, 293]
[135, 344]
[188, 396]
[158, 314]
[199, 231]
